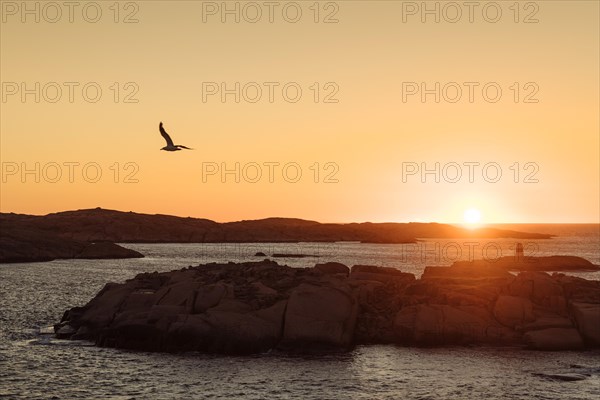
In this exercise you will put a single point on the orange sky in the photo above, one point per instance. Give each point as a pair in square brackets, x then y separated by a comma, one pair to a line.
[362, 142]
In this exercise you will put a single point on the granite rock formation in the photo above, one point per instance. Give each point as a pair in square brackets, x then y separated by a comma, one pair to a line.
[258, 306]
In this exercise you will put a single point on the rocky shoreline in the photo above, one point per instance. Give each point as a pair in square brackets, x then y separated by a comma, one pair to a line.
[255, 307]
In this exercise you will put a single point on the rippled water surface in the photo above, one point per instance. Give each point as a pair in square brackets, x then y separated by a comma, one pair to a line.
[35, 365]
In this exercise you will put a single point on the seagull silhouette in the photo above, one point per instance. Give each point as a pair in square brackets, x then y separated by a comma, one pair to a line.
[170, 146]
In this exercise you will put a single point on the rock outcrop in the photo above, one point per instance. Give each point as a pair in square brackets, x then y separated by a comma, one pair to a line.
[554, 339]
[526, 263]
[107, 250]
[258, 306]
[587, 320]
[19, 244]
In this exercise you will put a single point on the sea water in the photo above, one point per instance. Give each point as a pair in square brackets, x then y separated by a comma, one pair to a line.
[33, 364]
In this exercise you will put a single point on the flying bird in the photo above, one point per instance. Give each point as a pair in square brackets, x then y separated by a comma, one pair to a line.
[170, 146]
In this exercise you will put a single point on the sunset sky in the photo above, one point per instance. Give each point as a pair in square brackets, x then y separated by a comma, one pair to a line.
[368, 61]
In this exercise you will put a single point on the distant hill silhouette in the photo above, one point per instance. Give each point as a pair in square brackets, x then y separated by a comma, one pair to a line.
[96, 225]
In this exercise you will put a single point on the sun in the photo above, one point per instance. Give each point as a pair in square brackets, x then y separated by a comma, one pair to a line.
[472, 217]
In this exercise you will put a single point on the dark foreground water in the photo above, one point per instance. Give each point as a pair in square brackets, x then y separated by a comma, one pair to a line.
[35, 365]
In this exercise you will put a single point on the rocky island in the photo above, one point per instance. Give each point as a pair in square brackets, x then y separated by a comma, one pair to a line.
[545, 263]
[255, 307]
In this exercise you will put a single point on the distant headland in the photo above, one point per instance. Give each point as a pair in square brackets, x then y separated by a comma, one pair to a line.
[66, 234]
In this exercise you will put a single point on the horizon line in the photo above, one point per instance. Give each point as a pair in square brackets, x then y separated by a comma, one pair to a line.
[459, 223]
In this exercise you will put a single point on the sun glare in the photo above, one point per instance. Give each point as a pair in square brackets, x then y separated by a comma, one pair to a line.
[472, 217]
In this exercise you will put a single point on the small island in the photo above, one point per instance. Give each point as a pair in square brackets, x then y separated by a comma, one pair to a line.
[547, 263]
[520, 262]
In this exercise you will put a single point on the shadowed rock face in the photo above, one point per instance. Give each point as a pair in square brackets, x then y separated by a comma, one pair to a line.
[257, 306]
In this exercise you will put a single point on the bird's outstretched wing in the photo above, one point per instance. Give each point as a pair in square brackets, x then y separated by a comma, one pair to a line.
[183, 147]
[165, 135]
